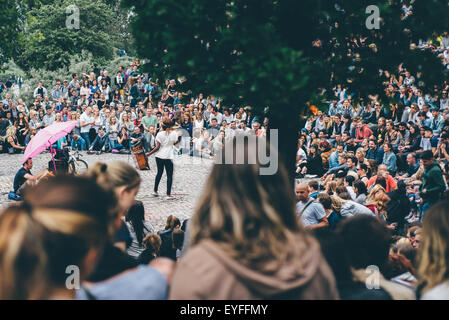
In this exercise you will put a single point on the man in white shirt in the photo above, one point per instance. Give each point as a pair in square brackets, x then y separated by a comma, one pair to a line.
[86, 122]
[40, 90]
[231, 131]
[217, 115]
[244, 130]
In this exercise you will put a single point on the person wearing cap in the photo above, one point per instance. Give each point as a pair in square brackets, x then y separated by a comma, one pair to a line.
[49, 117]
[433, 183]
[437, 123]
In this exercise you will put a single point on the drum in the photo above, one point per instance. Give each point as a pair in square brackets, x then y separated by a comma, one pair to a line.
[140, 156]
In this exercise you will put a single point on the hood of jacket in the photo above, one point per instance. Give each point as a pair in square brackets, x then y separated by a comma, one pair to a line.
[288, 277]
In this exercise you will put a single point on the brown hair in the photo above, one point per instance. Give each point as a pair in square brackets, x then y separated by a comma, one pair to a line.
[250, 216]
[172, 222]
[153, 242]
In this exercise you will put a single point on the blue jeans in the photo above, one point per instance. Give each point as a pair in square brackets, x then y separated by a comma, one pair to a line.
[115, 145]
[86, 138]
[425, 207]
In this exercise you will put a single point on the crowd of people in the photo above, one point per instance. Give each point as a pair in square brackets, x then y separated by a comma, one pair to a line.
[383, 164]
[114, 114]
[263, 244]
[367, 219]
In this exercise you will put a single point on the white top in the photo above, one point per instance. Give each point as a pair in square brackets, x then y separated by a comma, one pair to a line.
[167, 142]
[440, 292]
[98, 123]
[86, 119]
[198, 124]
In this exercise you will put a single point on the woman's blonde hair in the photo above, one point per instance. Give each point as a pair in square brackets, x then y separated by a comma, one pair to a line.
[362, 152]
[433, 254]
[50, 230]
[374, 191]
[115, 174]
[337, 202]
[11, 131]
[332, 185]
[250, 216]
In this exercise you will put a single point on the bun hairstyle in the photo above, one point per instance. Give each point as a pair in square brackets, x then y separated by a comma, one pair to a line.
[57, 224]
[167, 124]
[172, 222]
[113, 175]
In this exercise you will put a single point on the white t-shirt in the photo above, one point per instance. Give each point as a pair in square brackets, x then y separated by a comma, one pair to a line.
[86, 119]
[167, 142]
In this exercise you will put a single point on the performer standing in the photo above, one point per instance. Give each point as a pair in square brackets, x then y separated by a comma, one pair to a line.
[165, 140]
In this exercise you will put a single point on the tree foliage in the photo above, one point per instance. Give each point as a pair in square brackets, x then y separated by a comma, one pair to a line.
[11, 17]
[47, 43]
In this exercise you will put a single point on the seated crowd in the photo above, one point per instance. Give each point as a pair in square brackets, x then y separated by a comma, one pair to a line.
[114, 115]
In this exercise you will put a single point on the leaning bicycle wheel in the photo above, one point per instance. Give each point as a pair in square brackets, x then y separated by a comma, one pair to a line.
[79, 167]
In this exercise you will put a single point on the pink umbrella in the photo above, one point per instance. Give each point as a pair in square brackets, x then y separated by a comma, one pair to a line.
[46, 137]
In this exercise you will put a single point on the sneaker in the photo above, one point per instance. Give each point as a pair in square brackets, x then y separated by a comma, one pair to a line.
[155, 194]
[115, 151]
[169, 198]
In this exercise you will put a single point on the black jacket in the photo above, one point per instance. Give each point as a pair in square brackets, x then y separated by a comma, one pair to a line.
[167, 249]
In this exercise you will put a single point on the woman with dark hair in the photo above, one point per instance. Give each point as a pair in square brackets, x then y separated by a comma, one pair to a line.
[411, 144]
[360, 191]
[314, 164]
[398, 208]
[165, 140]
[167, 248]
[138, 228]
[364, 242]
[22, 127]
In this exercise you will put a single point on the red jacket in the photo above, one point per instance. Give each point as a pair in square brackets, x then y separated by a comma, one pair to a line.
[363, 133]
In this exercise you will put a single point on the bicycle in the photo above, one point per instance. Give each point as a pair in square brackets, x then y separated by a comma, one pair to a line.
[77, 166]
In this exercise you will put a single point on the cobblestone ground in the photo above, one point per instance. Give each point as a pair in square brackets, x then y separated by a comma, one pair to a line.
[189, 177]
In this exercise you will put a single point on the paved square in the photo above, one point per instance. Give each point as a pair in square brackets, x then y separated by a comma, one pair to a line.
[189, 176]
